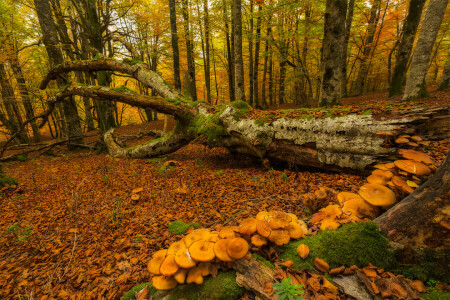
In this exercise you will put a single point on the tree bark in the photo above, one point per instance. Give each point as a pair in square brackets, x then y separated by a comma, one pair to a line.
[332, 52]
[406, 45]
[230, 54]
[404, 225]
[348, 26]
[250, 56]
[445, 80]
[175, 51]
[49, 37]
[256, 58]
[238, 60]
[189, 50]
[415, 82]
[207, 51]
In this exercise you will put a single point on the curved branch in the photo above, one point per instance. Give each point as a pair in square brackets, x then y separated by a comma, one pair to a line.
[164, 145]
[139, 71]
[180, 112]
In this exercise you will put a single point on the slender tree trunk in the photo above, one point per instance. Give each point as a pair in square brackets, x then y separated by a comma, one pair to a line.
[348, 26]
[266, 62]
[256, 62]
[230, 54]
[445, 80]
[415, 82]
[189, 50]
[49, 37]
[238, 60]
[405, 47]
[250, 55]
[25, 95]
[332, 52]
[207, 51]
[271, 87]
[10, 103]
[175, 51]
[360, 85]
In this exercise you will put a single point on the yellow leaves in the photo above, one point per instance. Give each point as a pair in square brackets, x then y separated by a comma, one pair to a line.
[303, 250]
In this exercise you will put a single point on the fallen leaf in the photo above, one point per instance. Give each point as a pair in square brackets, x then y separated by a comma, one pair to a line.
[321, 265]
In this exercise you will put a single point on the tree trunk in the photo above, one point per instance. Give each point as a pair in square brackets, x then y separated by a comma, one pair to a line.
[348, 26]
[445, 80]
[429, 228]
[230, 54]
[266, 60]
[175, 51]
[406, 45]
[256, 58]
[189, 51]
[12, 110]
[415, 82]
[207, 52]
[250, 56]
[339, 143]
[332, 52]
[360, 85]
[25, 95]
[49, 37]
[238, 60]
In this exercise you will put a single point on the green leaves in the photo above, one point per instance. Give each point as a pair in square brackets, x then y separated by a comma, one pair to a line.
[286, 290]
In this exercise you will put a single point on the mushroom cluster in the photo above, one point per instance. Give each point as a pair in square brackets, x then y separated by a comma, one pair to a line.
[203, 251]
[385, 184]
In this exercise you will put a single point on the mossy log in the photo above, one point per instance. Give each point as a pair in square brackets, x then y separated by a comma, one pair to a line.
[348, 142]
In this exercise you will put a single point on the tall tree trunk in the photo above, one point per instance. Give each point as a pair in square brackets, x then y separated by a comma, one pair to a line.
[49, 37]
[238, 60]
[207, 51]
[332, 52]
[415, 82]
[256, 63]
[405, 47]
[10, 103]
[105, 110]
[360, 85]
[250, 55]
[175, 51]
[230, 54]
[445, 80]
[348, 26]
[271, 87]
[189, 50]
[25, 95]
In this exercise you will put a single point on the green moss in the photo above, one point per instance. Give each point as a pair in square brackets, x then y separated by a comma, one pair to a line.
[130, 294]
[263, 260]
[97, 57]
[179, 227]
[5, 180]
[122, 89]
[436, 295]
[195, 103]
[132, 62]
[263, 120]
[223, 287]
[210, 126]
[22, 157]
[352, 244]
[241, 108]
[178, 101]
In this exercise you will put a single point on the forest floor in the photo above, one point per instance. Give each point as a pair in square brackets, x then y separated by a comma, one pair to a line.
[87, 238]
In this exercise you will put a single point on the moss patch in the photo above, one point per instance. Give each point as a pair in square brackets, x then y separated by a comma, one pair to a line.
[179, 227]
[130, 294]
[436, 295]
[122, 89]
[263, 260]
[5, 180]
[223, 287]
[352, 244]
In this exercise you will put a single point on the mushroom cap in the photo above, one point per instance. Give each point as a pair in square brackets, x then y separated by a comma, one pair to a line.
[377, 179]
[220, 250]
[195, 276]
[202, 250]
[360, 208]
[387, 133]
[377, 195]
[169, 266]
[279, 237]
[180, 275]
[295, 230]
[248, 226]
[320, 194]
[228, 232]
[416, 138]
[402, 140]
[237, 248]
[160, 253]
[154, 265]
[204, 268]
[389, 165]
[263, 228]
[277, 223]
[199, 234]
[214, 237]
[329, 223]
[381, 167]
[415, 155]
[258, 240]
[262, 215]
[387, 174]
[293, 217]
[303, 226]
[332, 211]
[342, 197]
[398, 181]
[413, 167]
[163, 283]
[183, 259]
[174, 247]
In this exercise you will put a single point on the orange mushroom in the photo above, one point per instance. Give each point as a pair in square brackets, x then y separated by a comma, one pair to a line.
[169, 266]
[202, 250]
[220, 250]
[377, 179]
[387, 174]
[263, 228]
[178, 245]
[163, 283]
[342, 197]
[199, 234]
[412, 167]
[248, 226]
[237, 248]
[154, 264]
[228, 232]
[415, 155]
[194, 276]
[377, 195]
[295, 230]
[279, 237]
[180, 275]
[183, 259]
[258, 240]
